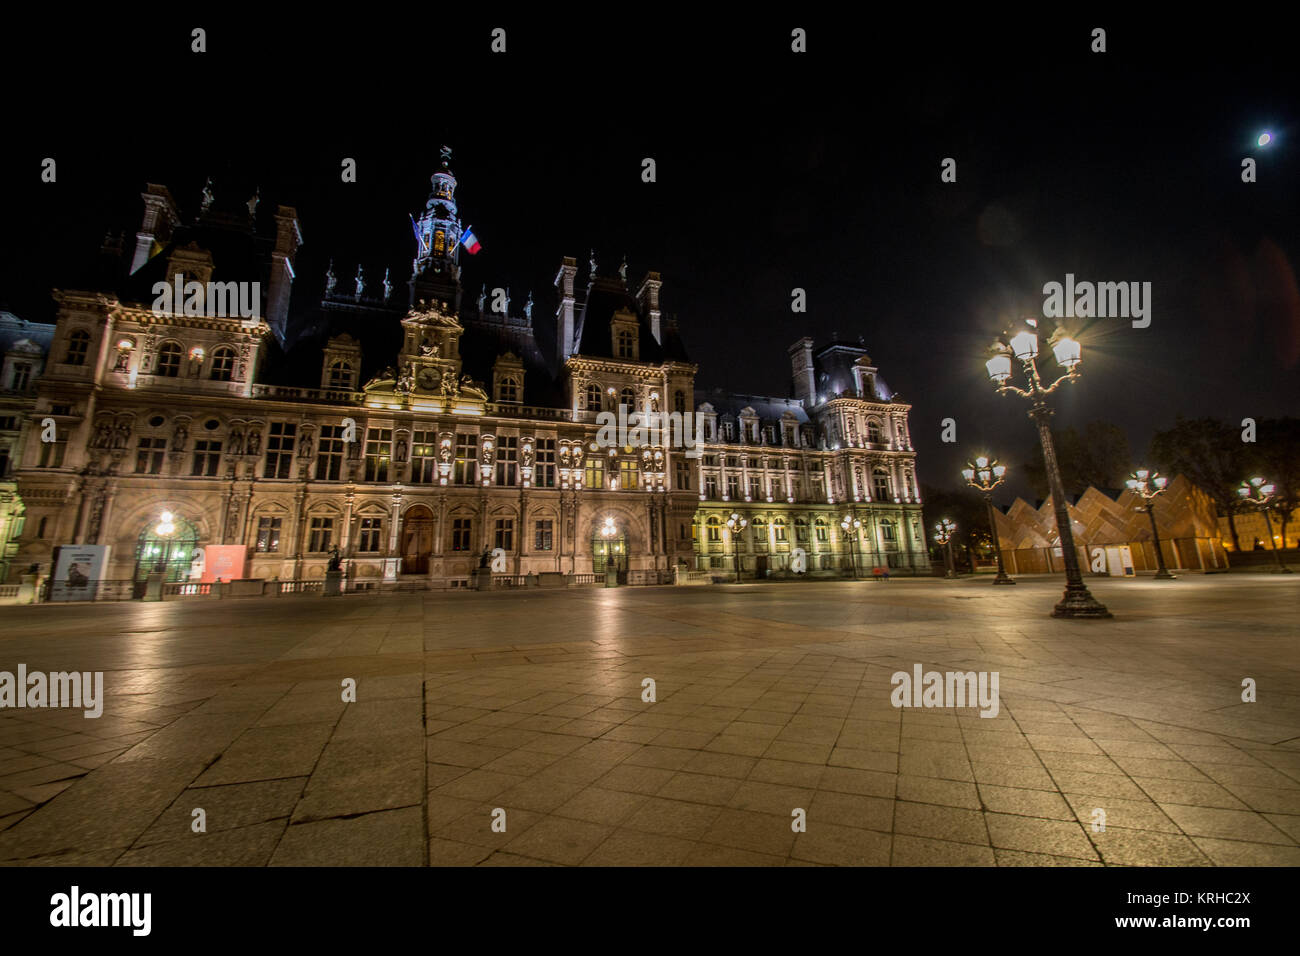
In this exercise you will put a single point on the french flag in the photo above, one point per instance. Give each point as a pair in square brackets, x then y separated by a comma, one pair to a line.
[470, 242]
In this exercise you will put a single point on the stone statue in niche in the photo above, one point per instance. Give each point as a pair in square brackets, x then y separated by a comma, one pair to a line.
[103, 435]
[236, 441]
[304, 448]
[121, 435]
[254, 445]
[400, 454]
[179, 437]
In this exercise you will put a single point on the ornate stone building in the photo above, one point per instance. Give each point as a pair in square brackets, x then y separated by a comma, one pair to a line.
[416, 430]
[23, 348]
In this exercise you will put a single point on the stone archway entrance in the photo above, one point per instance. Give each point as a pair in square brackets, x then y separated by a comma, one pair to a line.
[417, 540]
[609, 550]
[171, 554]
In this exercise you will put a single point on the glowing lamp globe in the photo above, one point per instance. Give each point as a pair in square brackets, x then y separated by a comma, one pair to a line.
[999, 367]
[1068, 352]
[1025, 345]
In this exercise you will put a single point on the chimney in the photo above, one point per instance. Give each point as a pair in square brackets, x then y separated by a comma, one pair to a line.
[564, 343]
[647, 296]
[160, 217]
[801, 366]
[288, 237]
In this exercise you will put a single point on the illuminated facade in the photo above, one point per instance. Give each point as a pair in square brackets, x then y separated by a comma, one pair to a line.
[417, 430]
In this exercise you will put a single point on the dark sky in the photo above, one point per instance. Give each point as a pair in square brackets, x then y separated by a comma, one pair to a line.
[775, 171]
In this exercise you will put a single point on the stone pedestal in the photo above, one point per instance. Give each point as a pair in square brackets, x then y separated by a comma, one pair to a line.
[611, 577]
[28, 589]
[153, 587]
[333, 583]
[482, 579]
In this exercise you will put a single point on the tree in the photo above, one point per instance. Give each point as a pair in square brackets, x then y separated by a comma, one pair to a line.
[1097, 458]
[1275, 457]
[1211, 455]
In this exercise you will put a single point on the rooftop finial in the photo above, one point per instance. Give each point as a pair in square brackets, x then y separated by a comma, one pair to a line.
[446, 155]
[593, 265]
[207, 194]
[622, 271]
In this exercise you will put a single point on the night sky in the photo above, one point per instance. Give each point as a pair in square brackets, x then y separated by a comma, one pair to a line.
[775, 171]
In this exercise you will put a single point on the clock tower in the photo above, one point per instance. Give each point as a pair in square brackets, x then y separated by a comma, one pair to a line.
[435, 273]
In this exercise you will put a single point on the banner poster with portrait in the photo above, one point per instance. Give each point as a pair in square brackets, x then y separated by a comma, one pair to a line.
[224, 562]
[78, 569]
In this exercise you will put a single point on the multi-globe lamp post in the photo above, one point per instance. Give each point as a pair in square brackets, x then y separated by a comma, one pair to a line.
[1023, 346]
[1259, 493]
[608, 531]
[736, 524]
[984, 474]
[1147, 484]
[852, 527]
[943, 532]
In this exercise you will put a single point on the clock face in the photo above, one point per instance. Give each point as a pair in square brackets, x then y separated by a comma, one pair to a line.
[428, 378]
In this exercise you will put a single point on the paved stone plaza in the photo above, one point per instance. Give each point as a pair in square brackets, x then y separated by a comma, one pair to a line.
[768, 698]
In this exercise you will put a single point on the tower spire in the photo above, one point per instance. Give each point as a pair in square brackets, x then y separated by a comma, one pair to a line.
[436, 269]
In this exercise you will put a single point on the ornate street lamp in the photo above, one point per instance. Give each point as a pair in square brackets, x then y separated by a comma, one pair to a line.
[1147, 484]
[943, 532]
[1077, 600]
[737, 524]
[985, 474]
[165, 529]
[852, 527]
[1260, 493]
[609, 531]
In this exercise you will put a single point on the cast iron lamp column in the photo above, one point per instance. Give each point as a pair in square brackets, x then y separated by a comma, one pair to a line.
[1077, 600]
[1261, 494]
[943, 532]
[1148, 484]
[737, 524]
[984, 475]
[607, 531]
[852, 527]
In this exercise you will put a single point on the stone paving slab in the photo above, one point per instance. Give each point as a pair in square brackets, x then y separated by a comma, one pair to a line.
[510, 729]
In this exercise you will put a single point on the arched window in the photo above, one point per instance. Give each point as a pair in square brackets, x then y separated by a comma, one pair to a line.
[223, 364]
[778, 529]
[169, 360]
[801, 529]
[593, 397]
[340, 375]
[880, 480]
[713, 527]
[508, 390]
[78, 346]
[887, 530]
[820, 530]
[627, 397]
[873, 431]
[679, 401]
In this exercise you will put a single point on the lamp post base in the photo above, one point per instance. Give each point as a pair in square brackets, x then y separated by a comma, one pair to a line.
[951, 575]
[1283, 570]
[1003, 578]
[1079, 602]
[1163, 575]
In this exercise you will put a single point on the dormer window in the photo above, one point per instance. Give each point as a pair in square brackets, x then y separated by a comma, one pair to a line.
[508, 390]
[340, 375]
[625, 344]
[593, 398]
[78, 346]
[627, 397]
